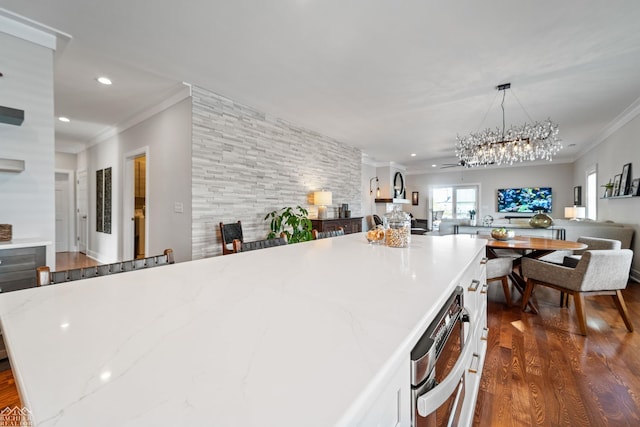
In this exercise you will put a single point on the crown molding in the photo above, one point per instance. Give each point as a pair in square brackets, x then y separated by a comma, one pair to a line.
[183, 92]
[32, 31]
[628, 114]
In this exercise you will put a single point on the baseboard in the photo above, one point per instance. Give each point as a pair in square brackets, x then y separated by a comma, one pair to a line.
[96, 256]
[635, 275]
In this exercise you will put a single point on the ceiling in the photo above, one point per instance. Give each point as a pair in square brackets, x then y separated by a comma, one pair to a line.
[389, 77]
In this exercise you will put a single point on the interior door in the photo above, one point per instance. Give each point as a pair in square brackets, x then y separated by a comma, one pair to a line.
[82, 211]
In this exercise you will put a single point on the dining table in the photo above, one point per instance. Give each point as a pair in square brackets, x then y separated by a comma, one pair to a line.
[530, 247]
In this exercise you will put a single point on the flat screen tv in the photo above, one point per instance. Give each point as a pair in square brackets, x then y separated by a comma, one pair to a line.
[524, 200]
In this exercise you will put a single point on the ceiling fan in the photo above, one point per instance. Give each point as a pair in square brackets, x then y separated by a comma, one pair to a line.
[461, 163]
[453, 165]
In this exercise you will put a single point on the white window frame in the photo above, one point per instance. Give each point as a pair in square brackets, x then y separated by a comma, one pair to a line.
[591, 193]
[454, 214]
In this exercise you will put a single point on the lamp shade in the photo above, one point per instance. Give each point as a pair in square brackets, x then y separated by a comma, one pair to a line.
[575, 212]
[322, 198]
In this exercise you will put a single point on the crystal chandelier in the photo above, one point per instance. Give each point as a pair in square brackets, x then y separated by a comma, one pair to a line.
[507, 146]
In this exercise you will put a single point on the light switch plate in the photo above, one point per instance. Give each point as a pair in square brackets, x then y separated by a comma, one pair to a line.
[177, 207]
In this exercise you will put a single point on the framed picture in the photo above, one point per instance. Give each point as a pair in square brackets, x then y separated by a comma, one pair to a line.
[635, 187]
[414, 198]
[577, 196]
[616, 185]
[625, 181]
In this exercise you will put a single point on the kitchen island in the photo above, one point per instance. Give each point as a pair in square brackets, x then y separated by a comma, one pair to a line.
[287, 336]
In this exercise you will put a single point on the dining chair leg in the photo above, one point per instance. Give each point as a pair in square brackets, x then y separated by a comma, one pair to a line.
[622, 308]
[582, 318]
[507, 292]
[564, 299]
[527, 294]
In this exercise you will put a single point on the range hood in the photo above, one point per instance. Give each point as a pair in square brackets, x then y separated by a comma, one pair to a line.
[392, 188]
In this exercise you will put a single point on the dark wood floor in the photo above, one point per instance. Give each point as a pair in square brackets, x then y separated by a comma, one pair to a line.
[69, 260]
[539, 371]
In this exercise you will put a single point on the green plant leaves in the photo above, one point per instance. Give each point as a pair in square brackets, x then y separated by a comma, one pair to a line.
[291, 222]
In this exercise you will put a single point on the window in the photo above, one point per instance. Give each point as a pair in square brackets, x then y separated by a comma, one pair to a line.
[455, 201]
[592, 195]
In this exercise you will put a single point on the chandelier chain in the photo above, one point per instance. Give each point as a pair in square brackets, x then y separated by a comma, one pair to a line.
[520, 104]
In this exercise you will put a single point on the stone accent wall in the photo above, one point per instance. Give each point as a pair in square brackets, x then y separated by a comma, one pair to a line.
[246, 164]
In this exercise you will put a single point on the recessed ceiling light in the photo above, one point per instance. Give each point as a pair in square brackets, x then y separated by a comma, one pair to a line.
[434, 165]
[413, 154]
[104, 80]
[64, 119]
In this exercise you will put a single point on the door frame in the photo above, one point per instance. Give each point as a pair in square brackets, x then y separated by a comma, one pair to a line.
[128, 202]
[71, 229]
[78, 214]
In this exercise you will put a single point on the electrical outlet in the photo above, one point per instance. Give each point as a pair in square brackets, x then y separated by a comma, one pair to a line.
[177, 207]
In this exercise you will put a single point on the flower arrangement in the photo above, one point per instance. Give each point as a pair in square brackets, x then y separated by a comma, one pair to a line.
[472, 213]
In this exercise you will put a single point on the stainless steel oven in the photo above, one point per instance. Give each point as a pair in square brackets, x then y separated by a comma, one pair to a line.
[438, 363]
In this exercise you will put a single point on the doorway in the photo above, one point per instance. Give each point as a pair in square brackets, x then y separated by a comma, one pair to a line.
[140, 205]
[64, 211]
[136, 213]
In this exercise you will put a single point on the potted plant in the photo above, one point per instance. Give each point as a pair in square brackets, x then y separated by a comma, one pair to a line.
[472, 217]
[608, 189]
[293, 223]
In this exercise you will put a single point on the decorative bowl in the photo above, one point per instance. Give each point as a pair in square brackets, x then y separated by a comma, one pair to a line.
[502, 234]
[375, 235]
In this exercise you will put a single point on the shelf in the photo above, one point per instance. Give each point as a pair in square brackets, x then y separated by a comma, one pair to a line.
[10, 165]
[394, 201]
[626, 196]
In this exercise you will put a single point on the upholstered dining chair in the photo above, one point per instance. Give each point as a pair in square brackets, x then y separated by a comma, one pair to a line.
[324, 234]
[599, 272]
[499, 269]
[593, 243]
[239, 246]
[229, 233]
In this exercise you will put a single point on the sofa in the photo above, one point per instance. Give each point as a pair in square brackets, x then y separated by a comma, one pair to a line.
[572, 229]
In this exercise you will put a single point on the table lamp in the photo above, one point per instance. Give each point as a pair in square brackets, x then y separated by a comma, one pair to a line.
[575, 212]
[322, 199]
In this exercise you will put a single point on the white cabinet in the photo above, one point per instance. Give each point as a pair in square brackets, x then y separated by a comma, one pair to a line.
[392, 407]
[474, 283]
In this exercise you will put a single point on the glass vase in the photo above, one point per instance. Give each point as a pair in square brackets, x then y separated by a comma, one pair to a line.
[541, 220]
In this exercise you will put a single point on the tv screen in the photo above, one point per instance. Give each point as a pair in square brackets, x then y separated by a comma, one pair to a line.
[524, 200]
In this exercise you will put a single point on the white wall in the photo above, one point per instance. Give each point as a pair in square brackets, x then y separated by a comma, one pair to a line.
[557, 176]
[620, 148]
[66, 161]
[103, 246]
[168, 138]
[27, 198]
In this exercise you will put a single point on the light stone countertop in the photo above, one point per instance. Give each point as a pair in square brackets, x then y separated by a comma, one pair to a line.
[297, 335]
[23, 243]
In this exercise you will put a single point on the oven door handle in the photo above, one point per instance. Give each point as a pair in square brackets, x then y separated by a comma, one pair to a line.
[434, 398]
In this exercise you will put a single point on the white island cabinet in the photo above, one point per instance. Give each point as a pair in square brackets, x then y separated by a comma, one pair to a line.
[311, 334]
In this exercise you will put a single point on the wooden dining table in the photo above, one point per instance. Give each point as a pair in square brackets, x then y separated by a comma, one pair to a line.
[530, 247]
